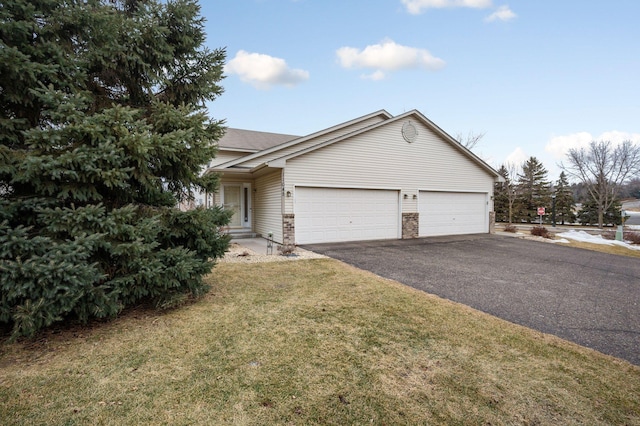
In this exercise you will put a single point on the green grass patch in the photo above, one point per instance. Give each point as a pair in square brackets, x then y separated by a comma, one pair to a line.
[312, 342]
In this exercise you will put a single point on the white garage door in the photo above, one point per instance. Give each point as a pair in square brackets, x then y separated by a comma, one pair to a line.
[452, 213]
[325, 215]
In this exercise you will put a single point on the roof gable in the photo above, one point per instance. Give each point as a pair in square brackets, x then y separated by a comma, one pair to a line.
[277, 155]
[411, 114]
[301, 140]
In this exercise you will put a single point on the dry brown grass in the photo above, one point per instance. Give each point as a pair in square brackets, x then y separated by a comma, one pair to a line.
[312, 342]
[612, 249]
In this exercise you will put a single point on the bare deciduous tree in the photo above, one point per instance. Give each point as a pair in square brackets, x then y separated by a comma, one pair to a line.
[469, 141]
[603, 168]
[505, 193]
[511, 186]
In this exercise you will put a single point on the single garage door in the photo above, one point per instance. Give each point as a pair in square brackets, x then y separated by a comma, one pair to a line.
[324, 215]
[452, 213]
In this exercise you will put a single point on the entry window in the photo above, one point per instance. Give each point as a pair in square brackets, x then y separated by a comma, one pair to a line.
[246, 204]
[232, 203]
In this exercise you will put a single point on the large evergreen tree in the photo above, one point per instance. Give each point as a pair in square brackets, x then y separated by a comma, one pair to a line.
[501, 197]
[102, 131]
[589, 214]
[565, 204]
[533, 189]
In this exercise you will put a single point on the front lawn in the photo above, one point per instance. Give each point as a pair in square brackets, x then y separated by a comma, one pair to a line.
[311, 342]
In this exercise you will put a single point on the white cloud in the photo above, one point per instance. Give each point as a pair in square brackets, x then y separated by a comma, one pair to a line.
[503, 13]
[416, 7]
[517, 157]
[387, 56]
[618, 137]
[264, 71]
[558, 146]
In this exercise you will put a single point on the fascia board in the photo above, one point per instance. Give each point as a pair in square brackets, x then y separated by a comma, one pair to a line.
[225, 148]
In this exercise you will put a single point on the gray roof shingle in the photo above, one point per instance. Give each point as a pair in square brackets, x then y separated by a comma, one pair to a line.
[250, 140]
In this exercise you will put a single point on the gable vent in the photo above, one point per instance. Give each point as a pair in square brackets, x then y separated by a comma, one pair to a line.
[409, 132]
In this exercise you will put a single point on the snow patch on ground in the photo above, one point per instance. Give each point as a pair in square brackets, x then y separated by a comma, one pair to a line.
[594, 239]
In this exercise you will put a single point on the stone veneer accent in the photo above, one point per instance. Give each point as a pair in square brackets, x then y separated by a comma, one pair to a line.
[410, 225]
[288, 229]
[492, 222]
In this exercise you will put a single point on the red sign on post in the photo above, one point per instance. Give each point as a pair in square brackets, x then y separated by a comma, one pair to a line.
[541, 211]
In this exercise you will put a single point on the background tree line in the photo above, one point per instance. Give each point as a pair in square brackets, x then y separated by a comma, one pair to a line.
[603, 174]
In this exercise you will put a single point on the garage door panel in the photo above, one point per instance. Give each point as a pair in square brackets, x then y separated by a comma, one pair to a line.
[452, 213]
[332, 214]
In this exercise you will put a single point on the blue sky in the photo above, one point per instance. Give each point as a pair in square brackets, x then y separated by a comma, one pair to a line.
[537, 77]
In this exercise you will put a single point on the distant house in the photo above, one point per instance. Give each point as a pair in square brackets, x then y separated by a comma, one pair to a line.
[374, 177]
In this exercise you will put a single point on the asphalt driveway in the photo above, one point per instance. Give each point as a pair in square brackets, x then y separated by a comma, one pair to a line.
[587, 297]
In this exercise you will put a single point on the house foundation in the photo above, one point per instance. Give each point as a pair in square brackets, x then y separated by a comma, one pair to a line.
[288, 229]
[410, 225]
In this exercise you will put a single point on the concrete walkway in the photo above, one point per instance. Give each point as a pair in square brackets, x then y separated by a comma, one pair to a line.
[258, 245]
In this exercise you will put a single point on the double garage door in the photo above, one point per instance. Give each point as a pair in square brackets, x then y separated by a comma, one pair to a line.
[325, 215]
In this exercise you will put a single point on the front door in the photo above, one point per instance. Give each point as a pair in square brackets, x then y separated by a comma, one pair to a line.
[236, 198]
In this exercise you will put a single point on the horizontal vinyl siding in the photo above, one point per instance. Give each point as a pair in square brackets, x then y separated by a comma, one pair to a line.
[315, 141]
[381, 158]
[267, 205]
[225, 156]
